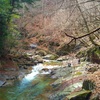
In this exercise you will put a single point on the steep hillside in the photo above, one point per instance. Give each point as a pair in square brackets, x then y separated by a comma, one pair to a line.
[46, 22]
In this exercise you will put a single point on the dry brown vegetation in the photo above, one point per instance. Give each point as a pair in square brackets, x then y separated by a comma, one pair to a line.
[46, 24]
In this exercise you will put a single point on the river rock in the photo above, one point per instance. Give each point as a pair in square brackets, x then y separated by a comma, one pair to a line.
[82, 59]
[20, 77]
[57, 83]
[52, 73]
[81, 95]
[50, 57]
[45, 69]
[33, 46]
[2, 82]
[62, 58]
[41, 53]
[9, 82]
[37, 59]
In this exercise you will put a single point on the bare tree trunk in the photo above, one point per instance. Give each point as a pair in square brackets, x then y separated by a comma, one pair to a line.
[86, 24]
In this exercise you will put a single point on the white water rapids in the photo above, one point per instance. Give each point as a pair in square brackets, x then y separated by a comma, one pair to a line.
[36, 70]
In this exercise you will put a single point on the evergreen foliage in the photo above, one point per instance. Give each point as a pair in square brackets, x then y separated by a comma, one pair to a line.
[7, 26]
[5, 16]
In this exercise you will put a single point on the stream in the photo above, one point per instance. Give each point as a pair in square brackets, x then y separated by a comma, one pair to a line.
[31, 87]
[39, 84]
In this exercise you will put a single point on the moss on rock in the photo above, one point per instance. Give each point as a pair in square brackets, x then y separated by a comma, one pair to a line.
[81, 95]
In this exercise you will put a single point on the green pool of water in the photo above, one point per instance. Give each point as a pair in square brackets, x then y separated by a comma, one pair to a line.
[32, 90]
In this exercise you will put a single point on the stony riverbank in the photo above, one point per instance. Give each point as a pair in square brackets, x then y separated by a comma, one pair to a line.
[16, 67]
[68, 79]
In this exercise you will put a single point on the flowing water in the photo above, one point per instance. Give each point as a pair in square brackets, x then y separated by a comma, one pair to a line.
[33, 86]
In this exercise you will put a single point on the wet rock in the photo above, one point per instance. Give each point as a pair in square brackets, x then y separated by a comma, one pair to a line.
[61, 72]
[45, 69]
[53, 77]
[41, 53]
[93, 69]
[57, 83]
[52, 73]
[20, 77]
[62, 58]
[25, 62]
[8, 75]
[56, 96]
[11, 77]
[25, 67]
[33, 46]
[81, 95]
[50, 57]
[2, 82]
[37, 59]
[9, 82]
[82, 59]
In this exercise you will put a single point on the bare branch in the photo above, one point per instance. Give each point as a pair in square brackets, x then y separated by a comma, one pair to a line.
[75, 38]
[70, 36]
[89, 33]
